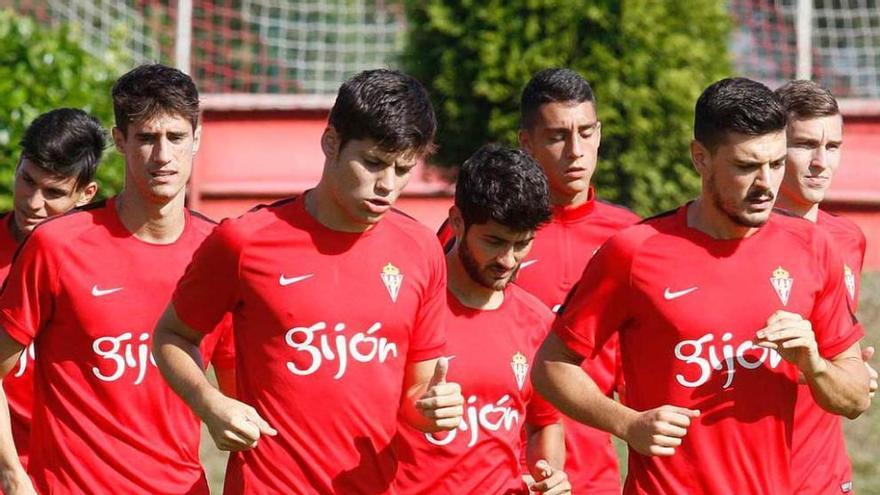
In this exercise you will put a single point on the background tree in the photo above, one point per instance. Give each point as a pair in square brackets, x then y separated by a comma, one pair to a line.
[647, 61]
[42, 68]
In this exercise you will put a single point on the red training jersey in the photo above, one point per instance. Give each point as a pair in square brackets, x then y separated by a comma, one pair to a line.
[555, 263]
[88, 294]
[325, 323]
[687, 307]
[19, 383]
[819, 459]
[490, 353]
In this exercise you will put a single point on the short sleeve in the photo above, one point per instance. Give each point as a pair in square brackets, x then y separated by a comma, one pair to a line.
[209, 287]
[833, 321]
[218, 347]
[27, 300]
[598, 305]
[539, 412]
[429, 332]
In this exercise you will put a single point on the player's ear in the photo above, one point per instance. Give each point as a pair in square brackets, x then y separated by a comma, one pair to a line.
[699, 156]
[525, 141]
[87, 194]
[118, 139]
[197, 139]
[330, 142]
[456, 221]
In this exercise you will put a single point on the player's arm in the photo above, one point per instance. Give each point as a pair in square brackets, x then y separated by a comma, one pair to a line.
[430, 403]
[232, 424]
[545, 456]
[839, 385]
[558, 376]
[13, 477]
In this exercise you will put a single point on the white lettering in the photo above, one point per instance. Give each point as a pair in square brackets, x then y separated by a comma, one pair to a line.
[491, 417]
[135, 355]
[362, 347]
[27, 354]
[691, 352]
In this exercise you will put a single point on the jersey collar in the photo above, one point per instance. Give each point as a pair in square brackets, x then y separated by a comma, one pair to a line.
[569, 214]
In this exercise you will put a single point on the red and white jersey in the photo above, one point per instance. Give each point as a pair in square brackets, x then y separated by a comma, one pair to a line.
[19, 383]
[490, 355]
[88, 294]
[555, 263]
[687, 307]
[819, 459]
[325, 323]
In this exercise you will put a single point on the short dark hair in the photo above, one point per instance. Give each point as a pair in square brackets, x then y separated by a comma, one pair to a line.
[67, 142]
[807, 100]
[505, 185]
[736, 105]
[552, 85]
[389, 107]
[151, 90]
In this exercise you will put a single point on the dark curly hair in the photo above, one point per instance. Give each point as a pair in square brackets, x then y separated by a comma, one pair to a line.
[151, 90]
[736, 105]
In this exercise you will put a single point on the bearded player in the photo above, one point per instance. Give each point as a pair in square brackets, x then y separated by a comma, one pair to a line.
[489, 333]
[60, 153]
[719, 306]
[339, 307]
[560, 129]
[814, 139]
[87, 289]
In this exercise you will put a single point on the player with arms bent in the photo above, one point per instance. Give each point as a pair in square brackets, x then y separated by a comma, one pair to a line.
[719, 306]
[339, 307]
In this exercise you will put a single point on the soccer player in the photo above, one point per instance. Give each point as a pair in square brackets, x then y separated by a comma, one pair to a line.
[60, 153]
[560, 129]
[719, 305]
[490, 334]
[87, 289]
[814, 140]
[339, 307]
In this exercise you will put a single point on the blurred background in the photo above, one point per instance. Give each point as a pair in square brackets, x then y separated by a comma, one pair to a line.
[268, 71]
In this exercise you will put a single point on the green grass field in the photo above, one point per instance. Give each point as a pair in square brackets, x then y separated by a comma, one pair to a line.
[863, 434]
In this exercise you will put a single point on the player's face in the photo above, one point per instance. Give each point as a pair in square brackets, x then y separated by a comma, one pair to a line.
[364, 180]
[158, 153]
[491, 253]
[742, 177]
[40, 194]
[813, 157]
[564, 140]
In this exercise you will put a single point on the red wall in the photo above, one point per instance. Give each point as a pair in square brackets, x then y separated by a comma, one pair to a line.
[247, 158]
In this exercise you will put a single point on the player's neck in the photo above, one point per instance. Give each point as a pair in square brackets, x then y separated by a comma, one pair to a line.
[702, 215]
[465, 289]
[567, 199]
[320, 205]
[155, 223]
[803, 209]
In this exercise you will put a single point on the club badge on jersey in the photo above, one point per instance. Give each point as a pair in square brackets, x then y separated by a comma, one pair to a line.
[782, 283]
[393, 279]
[849, 278]
[520, 366]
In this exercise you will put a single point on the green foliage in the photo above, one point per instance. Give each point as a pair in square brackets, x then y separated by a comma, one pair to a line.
[44, 68]
[647, 61]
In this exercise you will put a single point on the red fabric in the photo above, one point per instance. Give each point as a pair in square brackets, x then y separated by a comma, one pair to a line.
[88, 294]
[482, 455]
[819, 459]
[325, 323]
[19, 383]
[555, 263]
[682, 301]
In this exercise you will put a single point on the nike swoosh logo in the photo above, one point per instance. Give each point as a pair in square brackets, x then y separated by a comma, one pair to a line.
[669, 295]
[527, 263]
[103, 292]
[284, 281]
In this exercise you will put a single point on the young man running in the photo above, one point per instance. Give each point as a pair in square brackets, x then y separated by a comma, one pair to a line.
[339, 307]
[60, 153]
[814, 139]
[87, 289]
[719, 306]
[491, 334]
